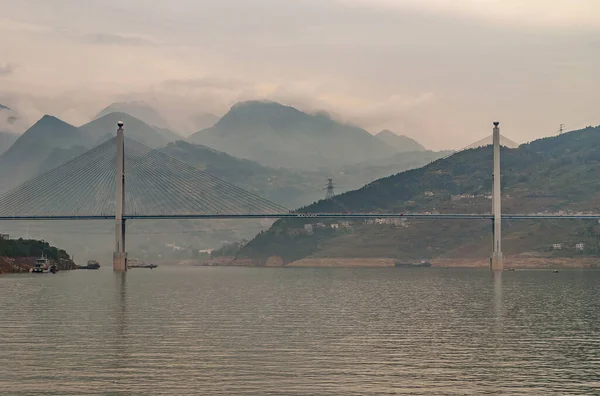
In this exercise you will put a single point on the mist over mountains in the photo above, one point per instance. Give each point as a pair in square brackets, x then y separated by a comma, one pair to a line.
[25, 157]
[400, 142]
[140, 110]
[9, 120]
[51, 142]
[273, 150]
[151, 115]
[282, 136]
[105, 127]
[6, 140]
[554, 174]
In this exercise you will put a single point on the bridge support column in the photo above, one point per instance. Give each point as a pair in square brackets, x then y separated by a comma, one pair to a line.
[120, 256]
[497, 261]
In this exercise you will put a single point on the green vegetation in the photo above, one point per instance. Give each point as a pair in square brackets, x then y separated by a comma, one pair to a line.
[51, 142]
[30, 248]
[547, 175]
[229, 249]
[288, 187]
[286, 241]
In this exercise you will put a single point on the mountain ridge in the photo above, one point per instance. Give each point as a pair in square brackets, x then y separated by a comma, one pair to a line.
[7, 139]
[135, 129]
[546, 175]
[34, 146]
[138, 109]
[401, 143]
[283, 136]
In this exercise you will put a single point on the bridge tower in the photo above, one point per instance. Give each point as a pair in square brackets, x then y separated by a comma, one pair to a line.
[497, 262]
[119, 256]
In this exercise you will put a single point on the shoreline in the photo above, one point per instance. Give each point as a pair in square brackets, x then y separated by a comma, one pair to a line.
[22, 265]
[510, 262]
[514, 262]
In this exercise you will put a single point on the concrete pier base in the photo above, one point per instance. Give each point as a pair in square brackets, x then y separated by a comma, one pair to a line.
[120, 262]
[497, 262]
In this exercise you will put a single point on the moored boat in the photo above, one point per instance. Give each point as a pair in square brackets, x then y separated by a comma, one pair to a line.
[40, 266]
[91, 265]
[421, 264]
[134, 263]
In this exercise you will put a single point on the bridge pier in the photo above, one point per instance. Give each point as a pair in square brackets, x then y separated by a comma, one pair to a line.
[120, 256]
[497, 261]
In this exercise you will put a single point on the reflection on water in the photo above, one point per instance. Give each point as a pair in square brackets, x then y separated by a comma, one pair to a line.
[121, 307]
[497, 275]
[224, 331]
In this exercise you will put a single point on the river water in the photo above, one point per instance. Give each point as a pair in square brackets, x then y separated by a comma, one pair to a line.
[232, 331]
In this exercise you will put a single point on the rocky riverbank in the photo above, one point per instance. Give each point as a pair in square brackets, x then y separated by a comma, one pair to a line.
[15, 265]
[517, 262]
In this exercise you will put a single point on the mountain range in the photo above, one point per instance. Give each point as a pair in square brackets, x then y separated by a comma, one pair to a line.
[105, 127]
[51, 142]
[36, 146]
[282, 136]
[547, 175]
[140, 110]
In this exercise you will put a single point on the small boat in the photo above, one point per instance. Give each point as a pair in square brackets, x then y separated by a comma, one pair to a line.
[133, 263]
[510, 269]
[422, 264]
[91, 265]
[54, 268]
[151, 266]
[40, 266]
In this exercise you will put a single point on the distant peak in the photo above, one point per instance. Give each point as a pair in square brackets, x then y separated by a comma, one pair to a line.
[50, 121]
[399, 142]
[2, 107]
[262, 105]
[51, 118]
[120, 116]
[255, 102]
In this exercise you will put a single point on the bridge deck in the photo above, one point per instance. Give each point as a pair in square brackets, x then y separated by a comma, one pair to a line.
[350, 216]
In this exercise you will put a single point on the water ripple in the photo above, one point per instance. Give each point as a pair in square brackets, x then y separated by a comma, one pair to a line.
[233, 331]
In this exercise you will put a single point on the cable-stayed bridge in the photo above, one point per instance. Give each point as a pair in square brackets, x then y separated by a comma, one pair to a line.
[123, 179]
[157, 186]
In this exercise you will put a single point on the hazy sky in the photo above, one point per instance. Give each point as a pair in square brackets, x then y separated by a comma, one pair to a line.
[437, 70]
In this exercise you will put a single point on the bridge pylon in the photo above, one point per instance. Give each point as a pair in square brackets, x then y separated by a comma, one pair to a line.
[120, 256]
[497, 261]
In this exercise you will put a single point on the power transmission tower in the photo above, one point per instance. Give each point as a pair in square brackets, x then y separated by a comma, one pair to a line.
[330, 193]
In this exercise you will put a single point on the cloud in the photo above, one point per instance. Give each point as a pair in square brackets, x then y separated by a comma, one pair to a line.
[14, 26]
[7, 69]
[558, 13]
[441, 69]
[207, 82]
[115, 39]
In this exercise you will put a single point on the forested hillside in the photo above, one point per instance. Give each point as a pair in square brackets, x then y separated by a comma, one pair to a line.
[547, 175]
